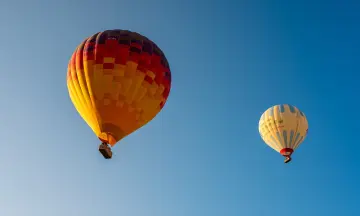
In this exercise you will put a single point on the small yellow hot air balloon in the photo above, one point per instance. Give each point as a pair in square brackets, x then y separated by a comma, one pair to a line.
[283, 127]
[118, 81]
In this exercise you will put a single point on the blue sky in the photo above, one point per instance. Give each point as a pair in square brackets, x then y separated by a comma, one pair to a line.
[202, 155]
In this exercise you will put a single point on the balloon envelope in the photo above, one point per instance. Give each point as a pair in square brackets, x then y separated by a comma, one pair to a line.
[118, 81]
[283, 127]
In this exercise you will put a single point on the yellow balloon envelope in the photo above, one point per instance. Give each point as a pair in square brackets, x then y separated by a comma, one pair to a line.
[283, 127]
[118, 81]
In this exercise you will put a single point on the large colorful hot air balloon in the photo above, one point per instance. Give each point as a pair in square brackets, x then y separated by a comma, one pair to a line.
[118, 81]
[283, 127]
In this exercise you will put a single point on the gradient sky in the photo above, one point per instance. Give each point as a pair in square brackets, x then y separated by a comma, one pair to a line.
[202, 155]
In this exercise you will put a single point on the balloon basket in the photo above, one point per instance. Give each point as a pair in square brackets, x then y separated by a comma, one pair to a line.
[287, 159]
[105, 150]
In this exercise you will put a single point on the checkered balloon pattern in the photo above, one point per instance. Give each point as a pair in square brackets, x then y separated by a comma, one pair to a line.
[118, 81]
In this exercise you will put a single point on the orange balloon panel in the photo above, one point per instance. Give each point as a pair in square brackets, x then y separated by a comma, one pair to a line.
[118, 81]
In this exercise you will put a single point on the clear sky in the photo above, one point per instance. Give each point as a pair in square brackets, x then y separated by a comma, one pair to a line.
[202, 155]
